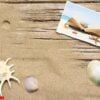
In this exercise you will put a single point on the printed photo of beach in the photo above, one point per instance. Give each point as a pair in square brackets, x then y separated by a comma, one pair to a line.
[80, 23]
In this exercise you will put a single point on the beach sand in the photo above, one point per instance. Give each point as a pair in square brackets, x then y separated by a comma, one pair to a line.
[60, 75]
[58, 62]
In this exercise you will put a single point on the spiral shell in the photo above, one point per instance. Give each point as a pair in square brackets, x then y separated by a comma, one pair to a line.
[6, 74]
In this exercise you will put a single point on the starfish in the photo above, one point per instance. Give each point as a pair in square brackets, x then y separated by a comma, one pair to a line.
[6, 74]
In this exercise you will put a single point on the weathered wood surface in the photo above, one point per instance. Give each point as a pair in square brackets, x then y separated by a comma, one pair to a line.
[28, 35]
[44, 1]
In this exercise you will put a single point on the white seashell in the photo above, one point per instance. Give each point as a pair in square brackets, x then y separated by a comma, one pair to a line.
[94, 71]
[6, 74]
[31, 84]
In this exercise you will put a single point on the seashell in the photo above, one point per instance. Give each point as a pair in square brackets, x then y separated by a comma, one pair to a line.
[31, 84]
[66, 25]
[94, 71]
[6, 74]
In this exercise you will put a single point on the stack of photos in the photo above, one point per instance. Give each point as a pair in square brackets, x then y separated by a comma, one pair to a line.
[80, 23]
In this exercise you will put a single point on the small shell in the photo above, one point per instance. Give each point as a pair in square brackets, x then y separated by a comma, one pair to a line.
[6, 74]
[94, 71]
[31, 84]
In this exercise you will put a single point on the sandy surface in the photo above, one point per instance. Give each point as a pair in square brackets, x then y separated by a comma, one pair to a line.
[58, 62]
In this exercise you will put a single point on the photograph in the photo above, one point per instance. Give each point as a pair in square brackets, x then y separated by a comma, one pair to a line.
[82, 21]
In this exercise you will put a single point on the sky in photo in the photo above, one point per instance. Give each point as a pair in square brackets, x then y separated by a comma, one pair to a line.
[82, 14]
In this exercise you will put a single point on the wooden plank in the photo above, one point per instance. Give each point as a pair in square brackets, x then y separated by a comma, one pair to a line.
[47, 1]
[45, 12]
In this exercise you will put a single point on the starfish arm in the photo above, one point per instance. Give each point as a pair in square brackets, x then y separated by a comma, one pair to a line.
[12, 72]
[0, 90]
[1, 85]
[10, 66]
[7, 60]
[16, 79]
[9, 83]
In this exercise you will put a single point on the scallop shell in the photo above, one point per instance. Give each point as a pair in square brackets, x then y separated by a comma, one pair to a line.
[6, 74]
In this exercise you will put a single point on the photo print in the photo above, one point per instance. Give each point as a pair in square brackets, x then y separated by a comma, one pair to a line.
[81, 23]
